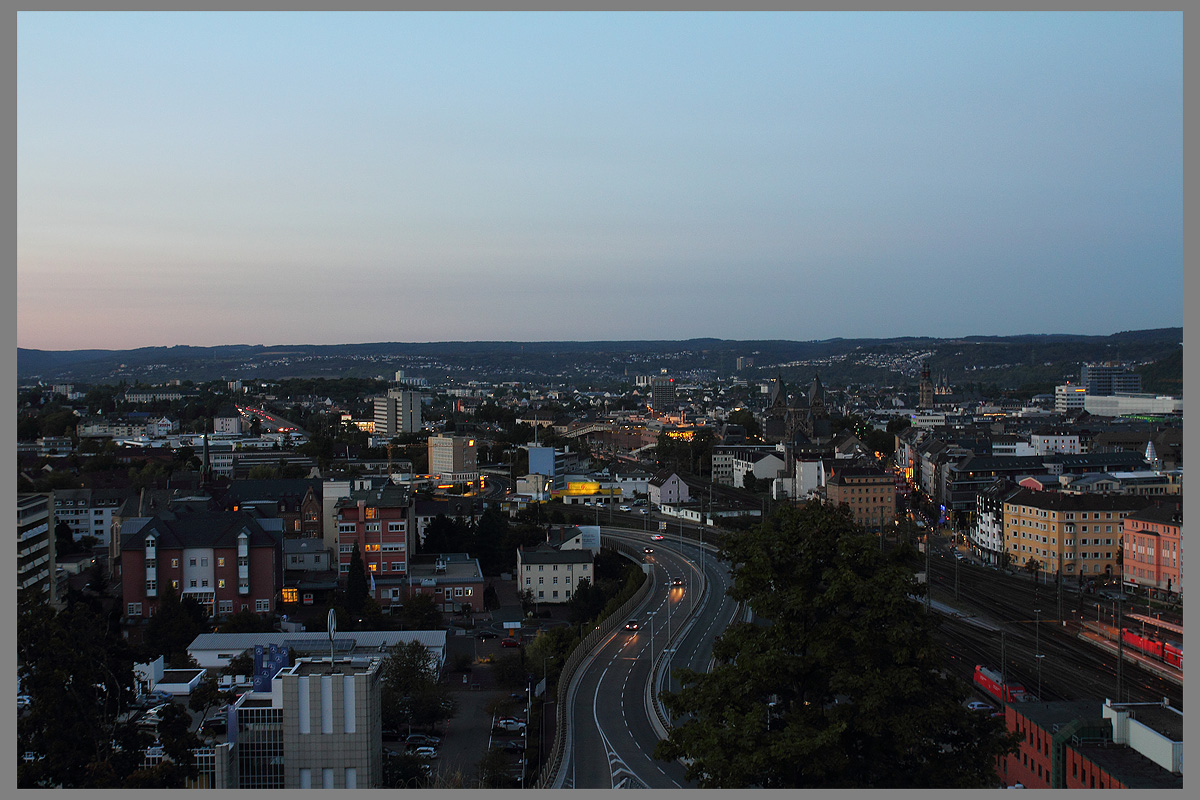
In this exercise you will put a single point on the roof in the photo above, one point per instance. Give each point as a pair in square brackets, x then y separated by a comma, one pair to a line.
[1129, 766]
[363, 641]
[306, 545]
[1059, 501]
[543, 554]
[202, 529]
[1163, 512]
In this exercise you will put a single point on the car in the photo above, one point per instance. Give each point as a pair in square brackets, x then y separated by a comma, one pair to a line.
[626, 508]
[152, 717]
[959, 556]
[390, 753]
[975, 705]
[632, 625]
[510, 726]
[426, 752]
[422, 740]
[677, 581]
[658, 537]
[151, 699]
[509, 642]
[487, 635]
[514, 746]
[645, 511]
[214, 724]
[390, 735]
[647, 550]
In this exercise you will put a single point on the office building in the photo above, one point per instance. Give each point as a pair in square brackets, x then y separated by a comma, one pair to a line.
[453, 459]
[397, 412]
[1106, 379]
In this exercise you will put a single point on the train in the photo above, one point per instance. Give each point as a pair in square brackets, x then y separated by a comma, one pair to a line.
[1169, 652]
[989, 680]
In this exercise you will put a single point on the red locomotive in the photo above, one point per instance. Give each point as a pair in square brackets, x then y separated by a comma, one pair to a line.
[1166, 651]
[989, 681]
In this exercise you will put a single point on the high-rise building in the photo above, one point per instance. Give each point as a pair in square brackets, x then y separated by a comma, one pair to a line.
[453, 459]
[35, 545]
[397, 412]
[1108, 379]
[662, 393]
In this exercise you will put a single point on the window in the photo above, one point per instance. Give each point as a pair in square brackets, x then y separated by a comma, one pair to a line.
[245, 606]
[151, 563]
[225, 607]
[290, 595]
[243, 561]
[397, 566]
[134, 609]
[346, 527]
[345, 548]
[262, 605]
[458, 591]
[528, 581]
[373, 527]
[343, 567]
[467, 592]
[541, 581]
[220, 583]
[191, 562]
[395, 527]
[204, 562]
[175, 585]
[372, 512]
[204, 583]
[193, 585]
[221, 561]
[174, 563]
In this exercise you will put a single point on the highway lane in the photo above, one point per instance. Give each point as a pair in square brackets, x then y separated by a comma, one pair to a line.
[612, 735]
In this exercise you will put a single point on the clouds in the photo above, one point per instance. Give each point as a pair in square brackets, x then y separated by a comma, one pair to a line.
[662, 175]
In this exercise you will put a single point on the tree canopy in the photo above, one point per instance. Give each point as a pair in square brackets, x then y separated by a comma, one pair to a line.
[838, 684]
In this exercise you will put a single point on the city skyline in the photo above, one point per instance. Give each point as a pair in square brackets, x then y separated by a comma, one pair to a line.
[287, 178]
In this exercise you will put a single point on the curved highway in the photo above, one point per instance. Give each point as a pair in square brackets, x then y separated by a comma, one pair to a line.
[613, 724]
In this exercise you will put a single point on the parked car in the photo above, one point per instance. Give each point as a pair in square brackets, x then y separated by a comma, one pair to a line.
[487, 635]
[510, 726]
[426, 752]
[975, 705]
[422, 740]
[151, 699]
[507, 642]
[514, 746]
[645, 511]
[152, 717]
[214, 724]
[632, 625]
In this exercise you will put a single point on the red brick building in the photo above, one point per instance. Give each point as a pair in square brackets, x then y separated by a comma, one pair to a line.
[226, 562]
[1086, 744]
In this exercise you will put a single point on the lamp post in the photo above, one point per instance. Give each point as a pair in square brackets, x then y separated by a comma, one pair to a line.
[1037, 647]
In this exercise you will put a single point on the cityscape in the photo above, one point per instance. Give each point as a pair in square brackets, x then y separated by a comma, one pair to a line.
[599, 401]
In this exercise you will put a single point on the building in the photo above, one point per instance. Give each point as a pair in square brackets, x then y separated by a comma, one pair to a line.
[88, 512]
[1127, 404]
[1107, 379]
[1153, 548]
[667, 488]
[310, 573]
[453, 580]
[226, 562]
[1085, 744]
[297, 502]
[227, 420]
[453, 459]
[925, 388]
[987, 529]
[1045, 442]
[377, 521]
[214, 651]
[662, 393]
[397, 412]
[35, 546]
[1141, 482]
[1077, 534]
[868, 491]
[1069, 398]
[550, 575]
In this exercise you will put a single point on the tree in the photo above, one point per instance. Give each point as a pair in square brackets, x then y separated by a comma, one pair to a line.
[842, 688]
[1033, 567]
[174, 626]
[420, 613]
[411, 694]
[357, 590]
[246, 621]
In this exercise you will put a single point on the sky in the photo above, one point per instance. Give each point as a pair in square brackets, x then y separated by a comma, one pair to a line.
[325, 178]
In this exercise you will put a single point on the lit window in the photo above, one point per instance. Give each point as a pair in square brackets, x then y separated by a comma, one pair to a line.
[289, 595]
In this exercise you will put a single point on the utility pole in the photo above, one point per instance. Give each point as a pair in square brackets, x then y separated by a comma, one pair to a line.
[1120, 647]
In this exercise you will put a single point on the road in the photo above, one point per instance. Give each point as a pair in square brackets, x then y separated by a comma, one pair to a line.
[612, 733]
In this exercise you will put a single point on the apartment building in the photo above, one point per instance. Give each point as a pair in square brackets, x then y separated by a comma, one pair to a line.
[397, 412]
[35, 546]
[1077, 534]
[377, 521]
[870, 493]
[551, 574]
[1153, 544]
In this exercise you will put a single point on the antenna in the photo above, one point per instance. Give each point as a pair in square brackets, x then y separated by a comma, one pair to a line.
[331, 626]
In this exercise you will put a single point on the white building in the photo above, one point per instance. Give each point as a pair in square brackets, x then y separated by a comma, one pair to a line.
[1068, 398]
[1116, 405]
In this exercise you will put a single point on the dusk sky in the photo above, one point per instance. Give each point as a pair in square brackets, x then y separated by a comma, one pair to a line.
[321, 178]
